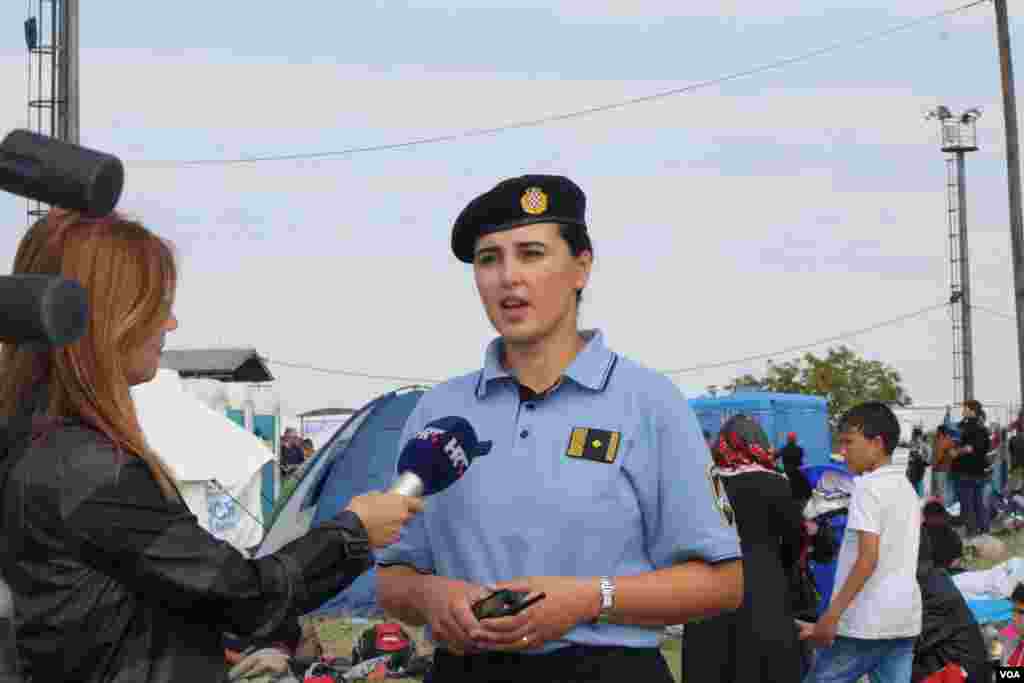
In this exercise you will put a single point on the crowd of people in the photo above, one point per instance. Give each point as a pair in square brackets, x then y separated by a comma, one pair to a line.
[597, 500]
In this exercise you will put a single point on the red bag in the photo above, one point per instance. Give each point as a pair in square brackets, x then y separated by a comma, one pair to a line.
[951, 673]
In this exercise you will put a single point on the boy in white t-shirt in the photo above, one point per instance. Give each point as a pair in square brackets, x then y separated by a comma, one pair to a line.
[875, 613]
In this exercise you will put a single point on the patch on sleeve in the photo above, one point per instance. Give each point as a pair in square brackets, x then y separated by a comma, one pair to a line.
[719, 497]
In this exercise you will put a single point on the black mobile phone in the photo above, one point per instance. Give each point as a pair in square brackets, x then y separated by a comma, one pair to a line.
[503, 603]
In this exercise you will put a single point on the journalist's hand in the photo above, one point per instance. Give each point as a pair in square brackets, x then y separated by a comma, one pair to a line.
[448, 604]
[384, 515]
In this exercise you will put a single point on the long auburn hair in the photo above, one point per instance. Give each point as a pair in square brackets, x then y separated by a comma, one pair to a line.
[130, 276]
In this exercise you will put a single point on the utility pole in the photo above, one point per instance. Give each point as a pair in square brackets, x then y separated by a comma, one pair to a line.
[68, 113]
[1013, 179]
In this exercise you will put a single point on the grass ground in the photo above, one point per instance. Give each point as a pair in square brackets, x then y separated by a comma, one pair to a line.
[336, 634]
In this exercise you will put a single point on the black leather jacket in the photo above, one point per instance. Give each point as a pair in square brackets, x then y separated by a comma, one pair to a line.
[113, 583]
[975, 434]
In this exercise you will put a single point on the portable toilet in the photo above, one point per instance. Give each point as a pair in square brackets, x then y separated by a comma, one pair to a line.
[778, 414]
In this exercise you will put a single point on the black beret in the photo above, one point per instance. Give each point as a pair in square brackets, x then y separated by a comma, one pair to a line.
[514, 203]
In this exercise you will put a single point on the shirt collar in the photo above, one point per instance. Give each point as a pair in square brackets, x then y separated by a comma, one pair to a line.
[592, 367]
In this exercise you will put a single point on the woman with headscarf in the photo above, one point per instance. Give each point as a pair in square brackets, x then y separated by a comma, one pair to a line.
[758, 642]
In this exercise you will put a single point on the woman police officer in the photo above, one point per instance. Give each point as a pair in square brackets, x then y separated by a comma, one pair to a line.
[595, 491]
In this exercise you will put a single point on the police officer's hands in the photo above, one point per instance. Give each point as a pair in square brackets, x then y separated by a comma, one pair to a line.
[569, 602]
[384, 515]
[448, 605]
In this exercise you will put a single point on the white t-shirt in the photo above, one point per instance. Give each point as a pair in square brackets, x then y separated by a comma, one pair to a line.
[889, 604]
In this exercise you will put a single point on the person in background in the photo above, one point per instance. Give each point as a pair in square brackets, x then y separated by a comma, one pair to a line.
[944, 542]
[1012, 637]
[758, 642]
[792, 457]
[970, 465]
[950, 636]
[917, 461]
[292, 456]
[874, 615]
[943, 452]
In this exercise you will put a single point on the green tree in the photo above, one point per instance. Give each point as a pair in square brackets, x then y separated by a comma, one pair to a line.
[842, 377]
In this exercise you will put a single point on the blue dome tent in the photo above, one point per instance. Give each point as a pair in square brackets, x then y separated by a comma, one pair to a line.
[778, 414]
[360, 457]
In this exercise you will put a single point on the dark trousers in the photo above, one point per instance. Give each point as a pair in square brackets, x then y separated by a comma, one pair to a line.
[971, 491]
[573, 664]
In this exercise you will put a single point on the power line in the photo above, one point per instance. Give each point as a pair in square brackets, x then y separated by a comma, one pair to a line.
[709, 366]
[350, 373]
[532, 123]
[801, 347]
[995, 313]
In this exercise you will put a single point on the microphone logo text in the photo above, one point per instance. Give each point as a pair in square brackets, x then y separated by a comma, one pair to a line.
[456, 454]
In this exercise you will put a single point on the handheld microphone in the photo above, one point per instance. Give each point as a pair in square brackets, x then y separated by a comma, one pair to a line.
[437, 457]
[60, 173]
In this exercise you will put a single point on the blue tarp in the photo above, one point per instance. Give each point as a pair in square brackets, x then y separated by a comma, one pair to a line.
[778, 414]
[991, 611]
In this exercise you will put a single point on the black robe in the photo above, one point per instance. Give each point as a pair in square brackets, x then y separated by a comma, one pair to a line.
[758, 642]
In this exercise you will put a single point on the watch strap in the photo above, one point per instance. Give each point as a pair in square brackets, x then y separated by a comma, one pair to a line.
[607, 585]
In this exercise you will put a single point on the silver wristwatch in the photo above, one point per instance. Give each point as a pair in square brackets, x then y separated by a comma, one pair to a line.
[607, 599]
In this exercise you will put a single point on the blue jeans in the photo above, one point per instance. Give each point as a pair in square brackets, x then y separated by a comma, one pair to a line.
[971, 491]
[889, 660]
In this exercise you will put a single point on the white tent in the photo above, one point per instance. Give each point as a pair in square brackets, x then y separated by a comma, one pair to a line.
[216, 462]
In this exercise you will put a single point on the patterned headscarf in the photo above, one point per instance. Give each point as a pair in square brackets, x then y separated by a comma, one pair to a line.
[743, 446]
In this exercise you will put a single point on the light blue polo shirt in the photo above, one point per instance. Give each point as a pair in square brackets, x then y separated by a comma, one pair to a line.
[529, 508]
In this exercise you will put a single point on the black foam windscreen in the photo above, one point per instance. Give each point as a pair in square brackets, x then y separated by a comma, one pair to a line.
[42, 309]
[60, 173]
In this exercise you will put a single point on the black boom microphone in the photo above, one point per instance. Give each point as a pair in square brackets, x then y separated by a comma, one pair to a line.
[42, 310]
[60, 173]
[38, 309]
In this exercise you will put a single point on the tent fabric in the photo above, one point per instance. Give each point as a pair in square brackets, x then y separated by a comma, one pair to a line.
[233, 514]
[361, 456]
[196, 442]
[206, 452]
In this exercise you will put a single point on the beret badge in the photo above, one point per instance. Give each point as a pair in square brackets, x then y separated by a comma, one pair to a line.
[534, 201]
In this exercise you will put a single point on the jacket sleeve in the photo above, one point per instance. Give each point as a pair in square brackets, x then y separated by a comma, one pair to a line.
[118, 521]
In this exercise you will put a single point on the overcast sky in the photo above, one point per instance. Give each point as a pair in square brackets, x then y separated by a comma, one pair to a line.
[743, 218]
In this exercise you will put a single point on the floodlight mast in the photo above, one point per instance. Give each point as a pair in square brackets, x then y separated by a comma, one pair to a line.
[959, 136]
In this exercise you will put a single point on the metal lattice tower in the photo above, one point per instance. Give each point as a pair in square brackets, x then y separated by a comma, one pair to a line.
[955, 286]
[958, 138]
[51, 36]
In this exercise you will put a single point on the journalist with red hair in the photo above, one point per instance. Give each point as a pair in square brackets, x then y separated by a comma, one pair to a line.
[113, 579]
